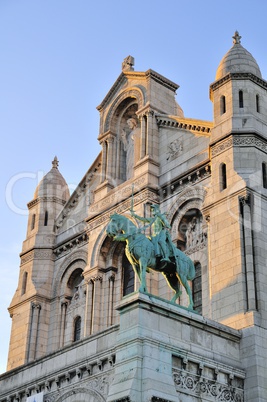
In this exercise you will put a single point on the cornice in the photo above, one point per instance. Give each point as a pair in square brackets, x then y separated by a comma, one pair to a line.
[239, 140]
[161, 80]
[198, 126]
[192, 177]
[238, 76]
[67, 246]
[136, 75]
[120, 80]
[35, 300]
[36, 253]
[45, 199]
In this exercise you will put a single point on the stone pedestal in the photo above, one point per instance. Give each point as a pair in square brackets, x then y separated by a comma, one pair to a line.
[159, 344]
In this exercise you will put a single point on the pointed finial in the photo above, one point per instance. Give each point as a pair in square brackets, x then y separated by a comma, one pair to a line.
[55, 162]
[236, 38]
[128, 63]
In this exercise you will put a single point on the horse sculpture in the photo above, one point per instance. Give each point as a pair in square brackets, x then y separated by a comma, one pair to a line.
[140, 253]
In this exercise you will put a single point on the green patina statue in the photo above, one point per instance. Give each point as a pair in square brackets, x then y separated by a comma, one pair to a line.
[157, 253]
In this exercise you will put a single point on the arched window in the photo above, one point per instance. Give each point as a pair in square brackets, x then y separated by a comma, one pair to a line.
[241, 102]
[197, 288]
[127, 277]
[24, 283]
[77, 329]
[46, 218]
[223, 104]
[264, 175]
[33, 221]
[74, 281]
[223, 178]
[257, 103]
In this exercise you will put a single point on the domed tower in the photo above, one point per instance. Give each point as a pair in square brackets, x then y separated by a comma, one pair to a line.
[236, 203]
[238, 94]
[31, 303]
[49, 197]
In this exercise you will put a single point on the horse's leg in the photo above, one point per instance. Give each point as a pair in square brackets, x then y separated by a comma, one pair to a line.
[174, 284]
[186, 285]
[142, 267]
[136, 269]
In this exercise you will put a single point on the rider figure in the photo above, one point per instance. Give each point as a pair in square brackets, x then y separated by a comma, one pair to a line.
[159, 226]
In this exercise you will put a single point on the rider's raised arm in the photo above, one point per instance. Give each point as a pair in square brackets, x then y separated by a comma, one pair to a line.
[140, 218]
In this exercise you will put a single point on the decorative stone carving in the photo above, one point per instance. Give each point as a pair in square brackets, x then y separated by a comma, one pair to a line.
[174, 149]
[240, 141]
[203, 387]
[196, 237]
[128, 63]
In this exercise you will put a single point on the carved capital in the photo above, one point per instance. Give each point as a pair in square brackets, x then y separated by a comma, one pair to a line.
[150, 112]
[245, 199]
[96, 278]
[36, 305]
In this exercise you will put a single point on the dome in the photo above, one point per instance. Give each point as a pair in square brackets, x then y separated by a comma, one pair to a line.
[237, 60]
[53, 184]
[179, 111]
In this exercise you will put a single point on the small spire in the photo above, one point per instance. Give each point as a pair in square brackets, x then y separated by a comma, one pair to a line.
[128, 63]
[236, 38]
[55, 162]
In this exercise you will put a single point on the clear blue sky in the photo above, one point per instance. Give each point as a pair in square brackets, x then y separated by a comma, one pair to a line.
[59, 58]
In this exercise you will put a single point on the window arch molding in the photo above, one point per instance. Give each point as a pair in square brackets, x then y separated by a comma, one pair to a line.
[76, 260]
[103, 245]
[133, 94]
[188, 199]
[81, 393]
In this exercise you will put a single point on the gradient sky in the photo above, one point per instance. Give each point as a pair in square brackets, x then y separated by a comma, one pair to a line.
[59, 58]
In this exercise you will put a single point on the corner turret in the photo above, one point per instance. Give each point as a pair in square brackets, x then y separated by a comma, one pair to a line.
[31, 301]
[238, 94]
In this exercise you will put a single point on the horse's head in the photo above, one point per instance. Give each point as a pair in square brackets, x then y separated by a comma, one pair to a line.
[115, 225]
[119, 224]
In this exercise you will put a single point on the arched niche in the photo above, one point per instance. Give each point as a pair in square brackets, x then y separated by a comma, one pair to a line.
[133, 96]
[120, 139]
[190, 231]
[81, 394]
[74, 261]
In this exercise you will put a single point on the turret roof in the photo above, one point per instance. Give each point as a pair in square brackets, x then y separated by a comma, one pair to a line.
[53, 184]
[237, 60]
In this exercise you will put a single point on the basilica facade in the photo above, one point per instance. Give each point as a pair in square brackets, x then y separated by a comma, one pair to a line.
[81, 329]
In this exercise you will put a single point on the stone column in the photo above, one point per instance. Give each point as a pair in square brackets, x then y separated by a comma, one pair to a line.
[104, 161]
[248, 253]
[111, 280]
[110, 160]
[64, 306]
[143, 136]
[88, 308]
[150, 133]
[34, 326]
[97, 305]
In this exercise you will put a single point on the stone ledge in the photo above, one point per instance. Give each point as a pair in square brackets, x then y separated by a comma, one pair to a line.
[181, 314]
